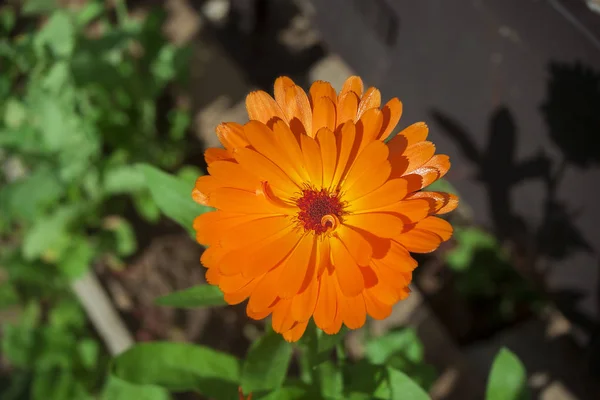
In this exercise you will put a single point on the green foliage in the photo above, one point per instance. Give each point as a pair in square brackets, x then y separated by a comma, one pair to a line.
[78, 112]
[173, 196]
[266, 363]
[508, 378]
[194, 297]
[484, 273]
[180, 367]
[59, 358]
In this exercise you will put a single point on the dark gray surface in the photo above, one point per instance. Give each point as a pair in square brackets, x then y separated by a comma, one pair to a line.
[478, 72]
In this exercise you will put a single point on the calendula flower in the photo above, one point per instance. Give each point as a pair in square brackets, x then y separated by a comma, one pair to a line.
[315, 213]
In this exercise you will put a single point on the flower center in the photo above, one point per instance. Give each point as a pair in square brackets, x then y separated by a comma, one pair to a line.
[319, 210]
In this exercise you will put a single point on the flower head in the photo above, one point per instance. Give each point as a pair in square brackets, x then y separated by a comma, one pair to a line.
[315, 213]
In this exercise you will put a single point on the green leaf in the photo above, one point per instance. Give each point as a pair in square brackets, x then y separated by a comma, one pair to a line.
[146, 206]
[88, 350]
[365, 377]
[77, 259]
[469, 240]
[291, 392]
[266, 364]
[15, 113]
[197, 296]
[180, 367]
[7, 18]
[49, 232]
[26, 198]
[507, 379]
[118, 389]
[33, 7]
[91, 11]
[123, 179]
[124, 234]
[173, 196]
[402, 387]
[326, 342]
[331, 381]
[405, 341]
[58, 34]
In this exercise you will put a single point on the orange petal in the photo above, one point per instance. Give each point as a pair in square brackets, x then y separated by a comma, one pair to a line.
[355, 312]
[398, 259]
[312, 160]
[380, 224]
[258, 315]
[421, 178]
[255, 230]
[210, 226]
[205, 185]
[344, 145]
[261, 107]
[233, 283]
[294, 334]
[389, 193]
[414, 133]
[357, 245]
[371, 157]
[411, 210]
[231, 135]
[279, 88]
[439, 202]
[297, 110]
[296, 266]
[384, 291]
[369, 126]
[265, 292]
[303, 304]
[327, 146]
[426, 235]
[269, 253]
[418, 154]
[335, 324]
[439, 226]
[266, 171]
[368, 183]
[326, 306]
[375, 308]
[346, 108]
[213, 276]
[392, 112]
[371, 99]
[347, 270]
[321, 89]
[213, 154]
[323, 115]
[242, 294]
[282, 317]
[353, 84]
[290, 147]
[231, 174]
[440, 162]
[211, 256]
[241, 201]
[263, 140]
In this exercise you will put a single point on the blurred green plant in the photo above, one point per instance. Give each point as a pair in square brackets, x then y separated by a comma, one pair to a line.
[484, 272]
[82, 101]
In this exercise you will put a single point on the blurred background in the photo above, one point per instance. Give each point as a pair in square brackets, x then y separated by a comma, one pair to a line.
[88, 89]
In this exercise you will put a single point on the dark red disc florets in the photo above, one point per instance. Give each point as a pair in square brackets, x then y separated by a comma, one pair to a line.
[314, 205]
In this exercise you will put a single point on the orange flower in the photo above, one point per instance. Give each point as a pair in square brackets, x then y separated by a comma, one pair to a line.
[315, 213]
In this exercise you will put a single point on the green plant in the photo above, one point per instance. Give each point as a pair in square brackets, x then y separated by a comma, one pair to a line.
[79, 99]
[484, 271]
